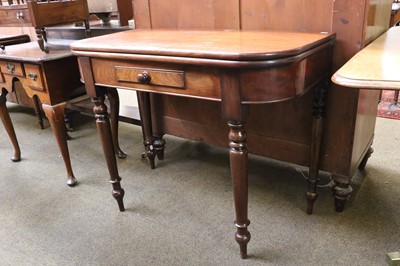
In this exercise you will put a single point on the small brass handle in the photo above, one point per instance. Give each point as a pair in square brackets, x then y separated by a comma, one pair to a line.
[20, 15]
[10, 68]
[144, 78]
[32, 76]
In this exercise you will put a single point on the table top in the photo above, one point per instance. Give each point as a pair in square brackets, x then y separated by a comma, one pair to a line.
[30, 52]
[377, 66]
[235, 46]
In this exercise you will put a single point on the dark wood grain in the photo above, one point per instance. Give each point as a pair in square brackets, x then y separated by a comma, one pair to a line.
[239, 69]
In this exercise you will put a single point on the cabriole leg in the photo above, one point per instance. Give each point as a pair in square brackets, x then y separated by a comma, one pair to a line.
[5, 118]
[55, 114]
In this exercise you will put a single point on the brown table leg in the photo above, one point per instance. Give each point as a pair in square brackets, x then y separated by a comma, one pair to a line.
[5, 118]
[55, 114]
[145, 117]
[36, 106]
[238, 159]
[104, 128]
[236, 113]
[319, 108]
[113, 97]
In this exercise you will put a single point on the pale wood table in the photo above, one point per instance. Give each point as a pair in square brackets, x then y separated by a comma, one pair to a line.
[375, 67]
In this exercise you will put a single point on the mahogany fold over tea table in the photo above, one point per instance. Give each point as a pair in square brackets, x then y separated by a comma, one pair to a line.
[235, 68]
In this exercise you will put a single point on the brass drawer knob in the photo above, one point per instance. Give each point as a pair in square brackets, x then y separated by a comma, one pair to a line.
[20, 15]
[32, 76]
[144, 78]
[10, 68]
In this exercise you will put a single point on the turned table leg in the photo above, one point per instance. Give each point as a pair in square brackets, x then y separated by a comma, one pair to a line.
[239, 171]
[112, 95]
[103, 126]
[55, 115]
[145, 117]
[5, 118]
[319, 107]
[236, 113]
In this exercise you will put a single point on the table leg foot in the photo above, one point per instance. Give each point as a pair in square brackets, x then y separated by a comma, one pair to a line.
[150, 153]
[242, 237]
[311, 198]
[118, 196]
[159, 146]
[365, 159]
[341, 193]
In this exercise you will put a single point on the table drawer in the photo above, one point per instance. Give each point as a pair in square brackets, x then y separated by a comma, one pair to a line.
[12, 68]
[16, 17]
[165, 78]
[34, 77]
[158, 77]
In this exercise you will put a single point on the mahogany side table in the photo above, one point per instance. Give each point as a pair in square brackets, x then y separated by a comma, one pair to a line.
[235, 68]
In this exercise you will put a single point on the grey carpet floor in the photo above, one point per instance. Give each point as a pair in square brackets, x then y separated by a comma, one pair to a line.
[182, 212]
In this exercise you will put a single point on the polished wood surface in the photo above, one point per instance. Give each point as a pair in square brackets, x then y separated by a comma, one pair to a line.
[238, 46]
[235, 68]
[374, 67]
[349, 125]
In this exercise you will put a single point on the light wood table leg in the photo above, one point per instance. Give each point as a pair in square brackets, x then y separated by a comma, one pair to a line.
[5, 118]
[55, 114]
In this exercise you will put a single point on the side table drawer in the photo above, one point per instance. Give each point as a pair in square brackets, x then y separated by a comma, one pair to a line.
[34, 77]
[158, 77]
[16, 17]
[12, 68]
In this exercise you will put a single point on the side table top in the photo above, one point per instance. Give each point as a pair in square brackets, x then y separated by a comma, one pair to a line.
[234, 46]
[377, 66]
[30, 52]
